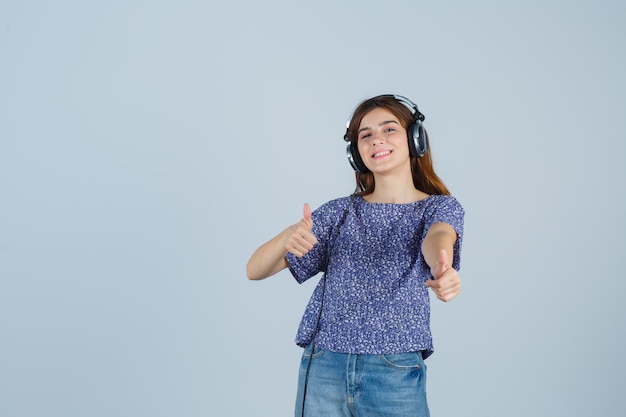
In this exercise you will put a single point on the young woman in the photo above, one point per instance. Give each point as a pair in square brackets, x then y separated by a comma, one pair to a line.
[366, 329]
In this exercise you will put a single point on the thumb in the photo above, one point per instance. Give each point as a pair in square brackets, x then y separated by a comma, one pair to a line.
[442, 264]
[307, 216]
[443, 259]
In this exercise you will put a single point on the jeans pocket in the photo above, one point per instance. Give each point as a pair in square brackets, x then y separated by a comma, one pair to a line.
[408, 360]
[307, 352]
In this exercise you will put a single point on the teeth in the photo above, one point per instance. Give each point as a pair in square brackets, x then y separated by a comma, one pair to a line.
[377, 154]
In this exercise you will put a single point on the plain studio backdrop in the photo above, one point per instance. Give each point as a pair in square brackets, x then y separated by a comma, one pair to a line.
[148, 148]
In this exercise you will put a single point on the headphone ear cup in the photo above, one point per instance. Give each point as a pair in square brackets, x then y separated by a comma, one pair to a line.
[418, 139]
[352, 152]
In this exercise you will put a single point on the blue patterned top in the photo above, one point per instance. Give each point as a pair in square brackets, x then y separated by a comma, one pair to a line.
[375, 299]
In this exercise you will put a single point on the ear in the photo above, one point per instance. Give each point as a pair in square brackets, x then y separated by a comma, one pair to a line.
[354, 157]
[418, 139]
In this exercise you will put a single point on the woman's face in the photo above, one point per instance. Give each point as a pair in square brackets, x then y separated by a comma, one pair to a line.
[382, 142]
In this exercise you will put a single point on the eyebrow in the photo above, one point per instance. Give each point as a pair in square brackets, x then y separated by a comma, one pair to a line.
[380, 124]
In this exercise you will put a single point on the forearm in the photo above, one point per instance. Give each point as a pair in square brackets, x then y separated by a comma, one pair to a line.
[269, 258]
[441, 237]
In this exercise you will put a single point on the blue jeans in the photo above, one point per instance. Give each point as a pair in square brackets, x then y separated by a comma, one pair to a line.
[349, 385]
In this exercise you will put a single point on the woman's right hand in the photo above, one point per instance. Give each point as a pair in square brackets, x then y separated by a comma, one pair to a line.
[269, 258]
[301, 239]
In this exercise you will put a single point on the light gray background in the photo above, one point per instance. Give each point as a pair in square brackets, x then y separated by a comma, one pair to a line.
[147, 148]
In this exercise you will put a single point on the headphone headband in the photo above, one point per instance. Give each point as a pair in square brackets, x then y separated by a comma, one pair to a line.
[416, 113]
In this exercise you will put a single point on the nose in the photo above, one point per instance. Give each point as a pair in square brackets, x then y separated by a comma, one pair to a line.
[377, 138]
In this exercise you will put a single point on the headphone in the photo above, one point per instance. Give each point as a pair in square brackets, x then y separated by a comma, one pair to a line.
[416, 135]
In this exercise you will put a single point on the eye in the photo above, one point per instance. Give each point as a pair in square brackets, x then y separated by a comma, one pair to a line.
[390, 129]
[365, 136]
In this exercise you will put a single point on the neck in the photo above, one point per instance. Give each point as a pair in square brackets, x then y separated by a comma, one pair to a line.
[394, 189]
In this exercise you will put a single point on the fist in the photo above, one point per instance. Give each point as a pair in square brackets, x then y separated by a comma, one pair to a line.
[301, 239]
[446, 282]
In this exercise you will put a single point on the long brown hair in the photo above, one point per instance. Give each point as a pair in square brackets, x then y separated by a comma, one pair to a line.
[424, 177]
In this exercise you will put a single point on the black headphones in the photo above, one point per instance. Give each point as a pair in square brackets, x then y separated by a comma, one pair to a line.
[416, 135]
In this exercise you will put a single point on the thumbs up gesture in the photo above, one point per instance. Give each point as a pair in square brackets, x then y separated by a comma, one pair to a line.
[446, 283]
[301, 239]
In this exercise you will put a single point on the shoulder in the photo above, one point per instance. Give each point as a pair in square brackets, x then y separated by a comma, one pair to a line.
[333, 209]
[444, 202]
[336, 205]
[444, 208]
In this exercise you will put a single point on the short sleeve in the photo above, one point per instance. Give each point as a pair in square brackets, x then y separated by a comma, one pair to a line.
[324, 218]
[447, 209]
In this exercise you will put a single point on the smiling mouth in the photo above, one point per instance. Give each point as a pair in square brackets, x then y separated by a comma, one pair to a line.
[380, 154]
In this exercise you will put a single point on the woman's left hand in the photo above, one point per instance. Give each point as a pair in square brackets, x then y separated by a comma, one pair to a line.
[446, 282]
